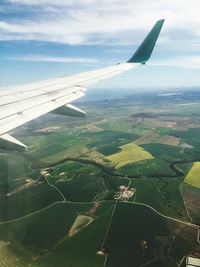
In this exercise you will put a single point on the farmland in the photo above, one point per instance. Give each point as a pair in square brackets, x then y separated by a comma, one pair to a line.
[193, 177]
[60, 202]
[129, 153]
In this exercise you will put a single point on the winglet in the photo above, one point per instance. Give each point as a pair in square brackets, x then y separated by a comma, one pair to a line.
[145, 50]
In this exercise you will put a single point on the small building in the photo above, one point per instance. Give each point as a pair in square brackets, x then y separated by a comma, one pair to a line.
[122, 187]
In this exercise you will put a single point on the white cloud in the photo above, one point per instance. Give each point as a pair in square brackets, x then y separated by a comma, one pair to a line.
[188, 62]
[52, 2]
[45, 58]
[119, 51]
[108, 21]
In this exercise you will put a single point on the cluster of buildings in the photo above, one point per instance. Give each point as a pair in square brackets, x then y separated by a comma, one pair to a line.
[125, 193]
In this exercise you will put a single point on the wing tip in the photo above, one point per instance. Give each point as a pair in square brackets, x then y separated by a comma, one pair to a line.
[161, 21]
[144, 51]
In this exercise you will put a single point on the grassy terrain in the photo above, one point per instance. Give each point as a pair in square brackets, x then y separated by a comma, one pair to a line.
[193, 176]
[80, 249]
[43, 230]
[164, 152]
[28, 201]
[134, 224]
[79, 182]
[48, 230]
[117, 125]
[156, 138]
[162, 195]
[129, 153]
[109, 149]
[191, 197]
[191, 137]
[14, 172]
[151, 168]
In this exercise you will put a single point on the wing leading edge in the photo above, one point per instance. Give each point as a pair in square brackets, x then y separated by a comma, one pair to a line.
[24, 103]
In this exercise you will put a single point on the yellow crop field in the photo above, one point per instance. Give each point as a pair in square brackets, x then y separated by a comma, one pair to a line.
[193, 177]
[129, 153]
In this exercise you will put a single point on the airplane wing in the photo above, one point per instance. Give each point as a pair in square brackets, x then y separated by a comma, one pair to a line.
[23, 103]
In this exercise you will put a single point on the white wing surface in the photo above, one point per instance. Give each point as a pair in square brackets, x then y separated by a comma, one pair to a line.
[23, 103]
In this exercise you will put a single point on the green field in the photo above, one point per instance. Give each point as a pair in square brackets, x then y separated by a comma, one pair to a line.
[164, 152]
[43, 230]
[134, 224]
[151, 168]
[32, 199]
[57, 200]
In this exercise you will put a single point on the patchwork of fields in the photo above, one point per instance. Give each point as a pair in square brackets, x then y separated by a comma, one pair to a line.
[65, 202]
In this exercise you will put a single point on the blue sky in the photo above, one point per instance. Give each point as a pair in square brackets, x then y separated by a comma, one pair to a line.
[41, 39]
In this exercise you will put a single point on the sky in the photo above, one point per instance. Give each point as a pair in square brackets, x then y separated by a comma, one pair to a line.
[41, 39]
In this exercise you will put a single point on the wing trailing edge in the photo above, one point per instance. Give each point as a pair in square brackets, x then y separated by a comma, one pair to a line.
[69, 110]
[10, 143]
